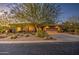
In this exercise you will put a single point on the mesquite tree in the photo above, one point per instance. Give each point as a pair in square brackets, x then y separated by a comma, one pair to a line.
[37, 13]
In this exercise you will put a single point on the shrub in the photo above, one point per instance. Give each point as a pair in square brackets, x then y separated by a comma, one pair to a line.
[27, 35]
[13, 37]
[41, 33]
[49, 38]
[33, 33]
[76, 31]
[2, 36]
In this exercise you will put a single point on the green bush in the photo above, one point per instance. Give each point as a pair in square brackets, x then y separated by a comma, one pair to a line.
[2, 30]
[76, 31]
[41, 33]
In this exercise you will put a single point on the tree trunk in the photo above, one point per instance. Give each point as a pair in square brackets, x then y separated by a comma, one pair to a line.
[37, 27]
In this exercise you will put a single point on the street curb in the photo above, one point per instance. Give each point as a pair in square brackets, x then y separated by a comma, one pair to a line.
[9, 42]
[25, 42]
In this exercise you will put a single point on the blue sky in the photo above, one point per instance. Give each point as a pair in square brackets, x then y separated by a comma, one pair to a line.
[67, 9]
[3, 6]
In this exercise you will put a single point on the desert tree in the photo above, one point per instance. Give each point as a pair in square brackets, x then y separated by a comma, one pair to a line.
[72, 24]
[37, 13]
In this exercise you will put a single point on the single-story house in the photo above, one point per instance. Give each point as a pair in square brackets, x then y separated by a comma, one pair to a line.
[29, 27]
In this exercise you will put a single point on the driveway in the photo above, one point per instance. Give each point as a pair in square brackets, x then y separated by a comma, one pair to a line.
[66, 37]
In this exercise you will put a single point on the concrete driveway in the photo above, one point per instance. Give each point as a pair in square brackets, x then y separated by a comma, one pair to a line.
[66, 37]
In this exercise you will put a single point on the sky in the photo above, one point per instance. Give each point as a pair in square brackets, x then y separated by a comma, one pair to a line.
[67, 10]
[3, 6]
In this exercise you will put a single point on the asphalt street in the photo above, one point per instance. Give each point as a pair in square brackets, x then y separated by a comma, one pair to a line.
[70, 48]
